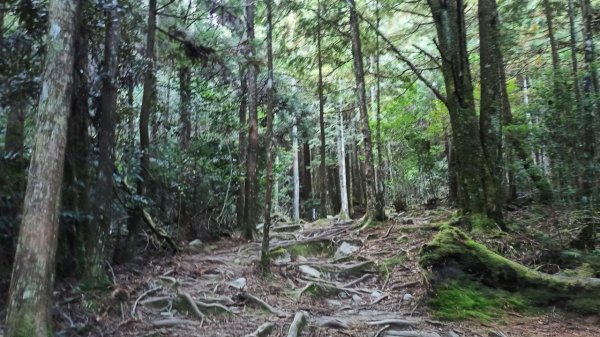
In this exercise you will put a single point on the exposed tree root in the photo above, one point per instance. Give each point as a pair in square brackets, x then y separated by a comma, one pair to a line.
[396, 333]
[264, 305]
[262, 331]
[190, 301]
[453, 254]
[298, 324]
[397, 323]
[172, 322]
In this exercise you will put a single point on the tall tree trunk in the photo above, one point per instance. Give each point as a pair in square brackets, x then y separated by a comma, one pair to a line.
[76, 181]
[305, 179]
[344, 210]
[185, 102]
[470, 169]
[380, 198]
[323, 197]
[490, 114]
[574, 63]
[30, 297]
[148, 100]
[251, 207]
[590, 107]
[373, 209]
[240, 205]
[93, 274]
[264, 253]
[296, 200]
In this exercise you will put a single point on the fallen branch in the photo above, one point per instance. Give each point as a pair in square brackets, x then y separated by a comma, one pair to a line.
[362, 278]
[158, 232]
[333, 323]
[300, 320]
[379, 299]
[264, 305]
[380, 331]
[398, 323]
[172, 322]
[140, 297]
[397, 333]
[262, 331]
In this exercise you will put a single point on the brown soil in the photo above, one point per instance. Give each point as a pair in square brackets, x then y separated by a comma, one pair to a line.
[205, 275]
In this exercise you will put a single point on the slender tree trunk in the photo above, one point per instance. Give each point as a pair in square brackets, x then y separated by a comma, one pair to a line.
[574, 63]
[264, 254]
[380, 198]
[30, 297]
[251, 205]
[490, 114]
[323, 167]
[76, 231]
[296, 201]
[344, 210]
[185, 101]
[148, 101]
[590, 107]
[373, 209]
[243, 111]
[94, 268]
[305, 179]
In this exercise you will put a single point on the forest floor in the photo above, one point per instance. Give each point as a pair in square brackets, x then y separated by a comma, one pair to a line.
[373, 286]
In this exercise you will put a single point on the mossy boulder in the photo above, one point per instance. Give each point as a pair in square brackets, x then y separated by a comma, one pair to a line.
[453, 255]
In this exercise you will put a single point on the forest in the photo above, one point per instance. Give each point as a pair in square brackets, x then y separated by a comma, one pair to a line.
[411, 168]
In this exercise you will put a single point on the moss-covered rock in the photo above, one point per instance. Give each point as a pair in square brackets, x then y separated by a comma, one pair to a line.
[452, 254]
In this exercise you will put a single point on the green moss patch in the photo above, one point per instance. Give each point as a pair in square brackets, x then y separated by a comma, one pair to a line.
[385, 267]
[453, 255]
[472, 301]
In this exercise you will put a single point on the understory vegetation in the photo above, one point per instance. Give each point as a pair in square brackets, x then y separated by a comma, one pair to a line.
[407, 157]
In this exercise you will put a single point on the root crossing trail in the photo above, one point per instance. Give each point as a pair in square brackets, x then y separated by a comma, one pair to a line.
[328, 279]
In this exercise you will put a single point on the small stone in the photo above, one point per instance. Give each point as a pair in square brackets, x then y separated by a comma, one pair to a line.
[345, 250]
[376, 294]
[356, 299]
[238, 284]
[302, 259]
[343, 295]
[407, 297]
[237, 261]
[334, 303]
[196, 243]
[283, 258]
[310, 271]
[451, 333]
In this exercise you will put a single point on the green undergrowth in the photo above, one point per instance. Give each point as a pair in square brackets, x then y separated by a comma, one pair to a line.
[452, 255]
[385, 267]
[304, 249]
[468, 300]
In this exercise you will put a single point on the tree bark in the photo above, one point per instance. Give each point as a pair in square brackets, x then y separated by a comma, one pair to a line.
[344, 210]
[590, 108]
[240, 205]
[380, 197]
[94, 274]
[490, 114]
[76, 182]
[148, 101]
[373, 208]
[30, 297]
[323, 196]
[264, 254]
[251, 205]
[296, 200]
[185, 100]
[471, 170]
